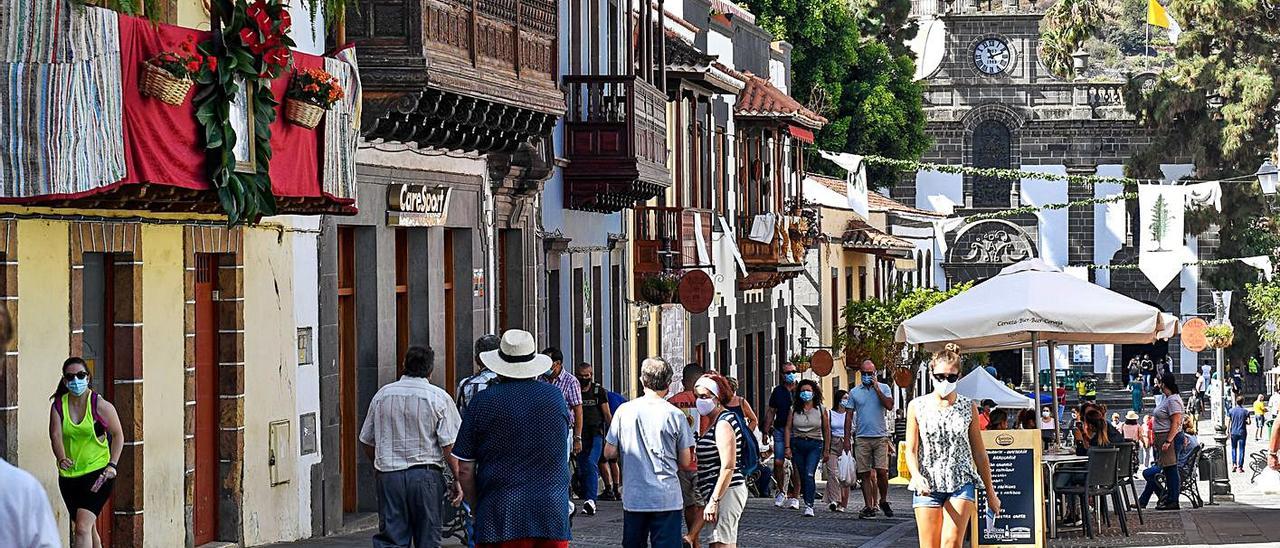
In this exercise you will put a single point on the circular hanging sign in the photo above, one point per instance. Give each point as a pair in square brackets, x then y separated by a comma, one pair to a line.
[821, 363]
[1193, 335]
[902, 378]
[696, 291]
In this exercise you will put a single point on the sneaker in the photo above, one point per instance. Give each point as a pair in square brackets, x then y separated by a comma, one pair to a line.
[842, 509]
[867, 513]
[1168, 506]
[808, 511]
[589, 508]
[617, 494]
[780, 500]
[794, 504]
[884, 507]
[832, 506]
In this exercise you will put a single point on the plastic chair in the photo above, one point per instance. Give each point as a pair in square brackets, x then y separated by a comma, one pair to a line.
[1128, 466]
[1100, 482]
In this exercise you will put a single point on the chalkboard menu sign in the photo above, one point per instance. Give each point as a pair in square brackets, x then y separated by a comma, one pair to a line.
[1016, 473]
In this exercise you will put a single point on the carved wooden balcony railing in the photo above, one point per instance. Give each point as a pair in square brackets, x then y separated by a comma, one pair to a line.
[773, 263]
[616, 142]
[666, 238]
[475, 75]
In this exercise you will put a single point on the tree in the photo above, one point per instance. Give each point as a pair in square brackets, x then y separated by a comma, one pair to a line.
[1229, 49]
[853, 61]
[1159, 222]
[871, 325]
[1264, 303]
[1067, 24]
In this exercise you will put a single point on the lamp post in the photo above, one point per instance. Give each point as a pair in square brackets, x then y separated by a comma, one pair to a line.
[1268, 178]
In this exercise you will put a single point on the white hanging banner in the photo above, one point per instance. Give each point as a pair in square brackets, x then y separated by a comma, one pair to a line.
[1162, 250]
[942, 204]
[1201, 195]
[1261, 262]
[856, 170]
[940, 230]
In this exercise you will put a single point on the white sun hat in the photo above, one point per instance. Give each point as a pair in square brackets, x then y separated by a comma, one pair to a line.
[517, 356]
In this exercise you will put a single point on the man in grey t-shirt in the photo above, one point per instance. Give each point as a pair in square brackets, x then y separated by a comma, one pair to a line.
[654, 441]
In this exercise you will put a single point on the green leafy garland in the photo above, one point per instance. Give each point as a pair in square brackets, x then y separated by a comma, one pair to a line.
[996, 173]
[1134, 266]
[255, 51]
[1032, 209]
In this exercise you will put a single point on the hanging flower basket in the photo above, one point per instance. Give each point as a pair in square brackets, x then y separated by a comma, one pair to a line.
[168, 76]
[1219, 336]
[302, 113]
[311, 92]
[659, 289]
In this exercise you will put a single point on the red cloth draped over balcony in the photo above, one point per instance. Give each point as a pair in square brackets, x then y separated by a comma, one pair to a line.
[164, 145]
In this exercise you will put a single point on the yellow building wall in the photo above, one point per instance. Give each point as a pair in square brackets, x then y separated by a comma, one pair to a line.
[162, 393]
[270, 512]
[44, 283]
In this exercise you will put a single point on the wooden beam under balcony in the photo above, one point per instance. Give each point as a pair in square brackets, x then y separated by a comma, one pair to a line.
[616, 142]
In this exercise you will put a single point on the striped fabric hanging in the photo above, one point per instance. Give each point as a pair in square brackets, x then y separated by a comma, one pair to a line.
[342, 128]
[61, 123]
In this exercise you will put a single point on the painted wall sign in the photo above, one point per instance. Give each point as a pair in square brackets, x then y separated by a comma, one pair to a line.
[1016, 473]
[417, 205]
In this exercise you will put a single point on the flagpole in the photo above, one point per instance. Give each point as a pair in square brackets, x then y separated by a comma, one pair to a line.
[1146, 52]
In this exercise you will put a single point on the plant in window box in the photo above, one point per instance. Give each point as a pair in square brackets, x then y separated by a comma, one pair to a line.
[168, 76]
[1219, 336]
[311, 93]
[660, 288]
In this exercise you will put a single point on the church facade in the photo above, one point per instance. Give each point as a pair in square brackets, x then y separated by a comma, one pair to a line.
[991, 103]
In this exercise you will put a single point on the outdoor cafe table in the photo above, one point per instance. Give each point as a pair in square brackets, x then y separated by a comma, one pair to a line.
[1051, 462]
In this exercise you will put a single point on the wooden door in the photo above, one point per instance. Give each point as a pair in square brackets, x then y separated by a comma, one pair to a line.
[107, 516]
[450, 311]
[205, 510]
[402, 298]
[348, 429]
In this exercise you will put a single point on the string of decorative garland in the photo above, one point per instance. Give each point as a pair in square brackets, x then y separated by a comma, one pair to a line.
[998, 173]
[1032, 209]
[1134, 266]
[255, 49]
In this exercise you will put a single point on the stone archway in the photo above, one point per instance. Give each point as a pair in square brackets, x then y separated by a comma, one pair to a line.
[981, 249]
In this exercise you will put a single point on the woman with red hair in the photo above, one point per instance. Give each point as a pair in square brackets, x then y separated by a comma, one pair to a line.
[719, 453]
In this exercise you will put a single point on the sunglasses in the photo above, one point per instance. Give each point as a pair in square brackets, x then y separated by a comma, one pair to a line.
[82, 375]
[948, 377]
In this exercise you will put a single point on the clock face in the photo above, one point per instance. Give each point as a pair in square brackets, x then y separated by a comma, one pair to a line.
[992, 56]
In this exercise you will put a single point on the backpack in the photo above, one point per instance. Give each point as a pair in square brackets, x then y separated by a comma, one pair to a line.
[99, 424]
[750, 449]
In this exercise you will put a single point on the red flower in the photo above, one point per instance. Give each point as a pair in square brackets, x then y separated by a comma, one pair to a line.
[262, 21]
[213, 63]
[286, 22]
[187, 47]
[250, 38]
[193, 65]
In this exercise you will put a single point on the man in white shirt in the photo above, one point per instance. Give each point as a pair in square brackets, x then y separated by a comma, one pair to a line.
[26, 521]
[408, 435]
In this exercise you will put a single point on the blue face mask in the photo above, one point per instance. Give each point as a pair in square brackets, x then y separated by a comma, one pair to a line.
[806, 395]
[77, 386]
[791, 377]
[868, 379]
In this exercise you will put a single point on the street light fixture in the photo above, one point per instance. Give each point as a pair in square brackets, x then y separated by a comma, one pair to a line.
[1268, 176]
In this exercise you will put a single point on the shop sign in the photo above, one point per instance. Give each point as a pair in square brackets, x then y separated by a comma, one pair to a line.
[1015, 457]
[477, 283]
[696, 291]
[417, 205]
[1193, 334]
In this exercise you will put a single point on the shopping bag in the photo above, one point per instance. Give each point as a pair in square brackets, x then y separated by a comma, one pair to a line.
[847, 469]
[1269, 482]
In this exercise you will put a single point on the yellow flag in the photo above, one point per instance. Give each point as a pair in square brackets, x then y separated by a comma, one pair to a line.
[1156, 14]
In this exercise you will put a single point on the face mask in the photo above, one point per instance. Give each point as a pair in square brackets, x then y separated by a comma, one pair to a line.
[77, 386]
[944, 388]
[868, 379]
[1044, 414]
[584, 381]
[806, 396]
[791, 377]
[705, 406]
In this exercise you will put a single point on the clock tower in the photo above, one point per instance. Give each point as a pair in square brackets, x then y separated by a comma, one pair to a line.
[990, 102]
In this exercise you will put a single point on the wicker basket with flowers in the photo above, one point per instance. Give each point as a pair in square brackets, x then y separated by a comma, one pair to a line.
[311, 93]
[168, 75]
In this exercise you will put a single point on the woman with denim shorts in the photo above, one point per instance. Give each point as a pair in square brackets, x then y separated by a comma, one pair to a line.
[946, 457]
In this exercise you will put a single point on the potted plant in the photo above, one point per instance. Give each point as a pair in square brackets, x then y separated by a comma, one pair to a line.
[168, 75]
[1219, 336]
[659, 289]
[311, 92]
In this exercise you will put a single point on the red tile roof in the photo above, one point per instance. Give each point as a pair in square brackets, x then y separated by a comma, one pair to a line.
[879, 202]
[761, 98]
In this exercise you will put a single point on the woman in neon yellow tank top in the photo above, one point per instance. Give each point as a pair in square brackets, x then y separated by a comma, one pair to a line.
[87, 439]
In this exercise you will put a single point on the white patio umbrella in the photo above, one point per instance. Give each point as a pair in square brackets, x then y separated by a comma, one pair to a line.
[1032, 303]
[979, 385]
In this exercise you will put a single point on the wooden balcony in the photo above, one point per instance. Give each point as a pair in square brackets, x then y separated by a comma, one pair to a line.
[768, 264]
[616, 142]
[473, 75]
[666, 238]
